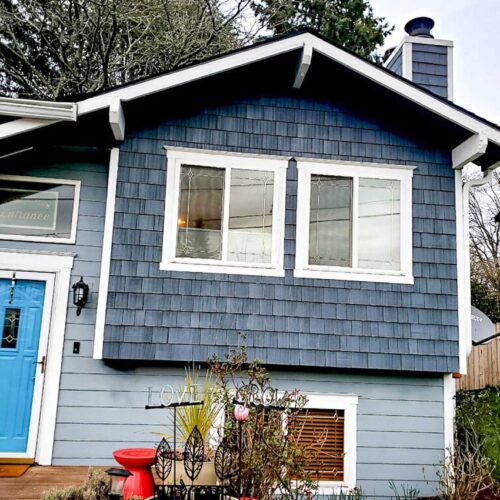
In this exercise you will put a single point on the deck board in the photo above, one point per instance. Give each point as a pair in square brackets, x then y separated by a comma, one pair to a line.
[37, 479]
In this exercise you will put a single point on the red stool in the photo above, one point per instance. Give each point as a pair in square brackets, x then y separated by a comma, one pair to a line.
[138, 461]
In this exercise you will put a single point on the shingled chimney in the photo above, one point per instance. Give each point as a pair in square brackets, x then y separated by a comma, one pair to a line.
[423, 59]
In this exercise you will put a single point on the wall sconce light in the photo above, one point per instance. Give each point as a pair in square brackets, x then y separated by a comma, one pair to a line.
[80, 295]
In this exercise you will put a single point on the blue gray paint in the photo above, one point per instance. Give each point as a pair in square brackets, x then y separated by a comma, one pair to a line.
[396, 63]
[430, 67]
[88, 247]
[158, 315]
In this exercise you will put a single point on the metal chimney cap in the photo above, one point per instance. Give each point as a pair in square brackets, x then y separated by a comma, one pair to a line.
[420, 26]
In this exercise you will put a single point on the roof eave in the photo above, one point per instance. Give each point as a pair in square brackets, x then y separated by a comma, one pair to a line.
[306, 41]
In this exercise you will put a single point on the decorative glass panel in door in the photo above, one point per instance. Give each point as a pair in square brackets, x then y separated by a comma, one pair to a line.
[20, 323]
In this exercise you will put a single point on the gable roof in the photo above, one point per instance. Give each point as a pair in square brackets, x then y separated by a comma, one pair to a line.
[305, 41]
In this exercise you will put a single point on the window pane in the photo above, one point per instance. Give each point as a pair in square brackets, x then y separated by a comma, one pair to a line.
[36, 208]
[250, 216]
[379, 224]
[199, 219]
[330, 221]
[10, 328]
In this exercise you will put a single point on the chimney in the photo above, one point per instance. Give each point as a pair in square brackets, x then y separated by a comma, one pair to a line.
[423, 59]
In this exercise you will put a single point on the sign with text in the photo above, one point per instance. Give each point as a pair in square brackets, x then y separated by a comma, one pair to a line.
[169, 396]
[28, 209]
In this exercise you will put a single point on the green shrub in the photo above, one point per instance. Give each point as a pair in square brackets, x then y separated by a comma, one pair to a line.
[478, 413]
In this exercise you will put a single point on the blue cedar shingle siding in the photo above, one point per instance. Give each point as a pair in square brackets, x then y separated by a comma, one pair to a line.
[396, 65]
[430, 67]
[183, 316]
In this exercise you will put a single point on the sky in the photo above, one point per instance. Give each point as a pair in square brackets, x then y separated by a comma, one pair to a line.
[473, 26]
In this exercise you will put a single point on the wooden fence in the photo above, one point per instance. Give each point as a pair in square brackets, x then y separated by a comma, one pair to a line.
[483, 366]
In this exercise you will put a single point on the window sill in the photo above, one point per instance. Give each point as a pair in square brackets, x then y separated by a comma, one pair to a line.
[333, 488]
[38, 239]
[354, 276]
[221, 269]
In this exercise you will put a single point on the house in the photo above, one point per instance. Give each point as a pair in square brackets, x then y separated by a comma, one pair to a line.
[290, 190]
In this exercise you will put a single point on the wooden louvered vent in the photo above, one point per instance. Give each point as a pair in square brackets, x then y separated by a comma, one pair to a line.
[321, 432]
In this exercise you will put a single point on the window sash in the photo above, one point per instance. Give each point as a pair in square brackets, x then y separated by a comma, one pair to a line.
[226, 207]
[355, 171]
[354, 240]
[70, 234]
[204, 158]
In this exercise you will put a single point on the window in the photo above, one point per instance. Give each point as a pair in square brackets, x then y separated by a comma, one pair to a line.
[327, 427]
[224, 213]
[10, 328]
[321, 432]
[354, 222]
[38, 209]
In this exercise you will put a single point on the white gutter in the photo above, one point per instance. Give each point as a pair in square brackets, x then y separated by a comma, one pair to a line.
[45, 110]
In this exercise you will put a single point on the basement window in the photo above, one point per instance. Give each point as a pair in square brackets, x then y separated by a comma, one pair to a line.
[327, 429]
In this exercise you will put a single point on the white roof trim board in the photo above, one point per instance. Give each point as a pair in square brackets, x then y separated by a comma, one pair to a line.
[272, 49]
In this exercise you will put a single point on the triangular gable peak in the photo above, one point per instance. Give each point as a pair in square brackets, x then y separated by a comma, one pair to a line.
[36, 114]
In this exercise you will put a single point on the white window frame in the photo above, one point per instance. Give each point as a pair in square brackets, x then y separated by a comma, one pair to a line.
[177, 157]
[349, 404]
[355, 171]
[47, 180]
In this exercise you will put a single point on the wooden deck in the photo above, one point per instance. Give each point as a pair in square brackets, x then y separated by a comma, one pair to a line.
[37, 479]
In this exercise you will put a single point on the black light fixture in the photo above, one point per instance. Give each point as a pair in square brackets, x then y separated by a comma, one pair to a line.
[118, 478]
[80, 295]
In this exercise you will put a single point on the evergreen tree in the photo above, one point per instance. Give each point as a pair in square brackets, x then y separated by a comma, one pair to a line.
[350, 23]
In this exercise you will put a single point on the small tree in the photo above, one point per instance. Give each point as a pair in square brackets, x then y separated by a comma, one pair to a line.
[485, 247]
[272, 459]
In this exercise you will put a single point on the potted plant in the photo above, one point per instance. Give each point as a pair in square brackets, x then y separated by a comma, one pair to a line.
[202, 417]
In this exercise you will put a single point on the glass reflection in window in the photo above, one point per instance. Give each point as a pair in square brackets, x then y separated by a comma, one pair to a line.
[330, 221]
[199, 220]
[379, 224]
[250, 216]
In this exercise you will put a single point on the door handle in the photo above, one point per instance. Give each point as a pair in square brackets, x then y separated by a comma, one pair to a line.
[43, 362]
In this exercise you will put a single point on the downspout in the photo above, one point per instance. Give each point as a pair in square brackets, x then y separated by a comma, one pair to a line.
[466, 187]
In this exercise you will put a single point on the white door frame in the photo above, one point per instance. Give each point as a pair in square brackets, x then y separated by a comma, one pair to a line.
[55, 270]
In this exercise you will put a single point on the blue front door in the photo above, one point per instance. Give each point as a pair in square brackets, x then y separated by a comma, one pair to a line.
[21, 310]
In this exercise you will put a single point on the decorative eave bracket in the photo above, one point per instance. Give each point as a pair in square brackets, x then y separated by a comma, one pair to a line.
[117, 119]
[304, 65]
[471, 149]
